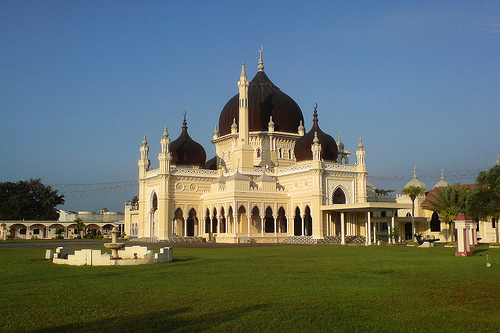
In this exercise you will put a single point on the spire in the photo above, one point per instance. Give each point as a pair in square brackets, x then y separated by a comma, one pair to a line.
[243, 71]
[360, 144]
[144, 142]
[234, 127]
[165, 132]
[261, 63]
[216, 133]
[184, 123]
[315, 116]
[415, 172]
[442, 174]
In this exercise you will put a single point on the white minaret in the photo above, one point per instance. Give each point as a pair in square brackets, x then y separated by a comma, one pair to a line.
[144, 162]
[243, 110]
[165, 156]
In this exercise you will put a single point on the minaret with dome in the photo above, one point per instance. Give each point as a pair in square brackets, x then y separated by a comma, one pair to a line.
[270, 181]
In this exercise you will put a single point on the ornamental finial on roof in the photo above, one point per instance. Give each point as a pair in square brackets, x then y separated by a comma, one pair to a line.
[261, 63]
[184, 123]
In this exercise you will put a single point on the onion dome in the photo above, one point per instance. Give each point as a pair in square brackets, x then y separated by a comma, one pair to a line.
[264, 100]
[415, 182]
[186, 151]
[329, 149]
[442, 182]
[211, 163]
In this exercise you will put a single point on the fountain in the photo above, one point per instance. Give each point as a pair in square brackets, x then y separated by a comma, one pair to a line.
[120, 255]
[114, 245]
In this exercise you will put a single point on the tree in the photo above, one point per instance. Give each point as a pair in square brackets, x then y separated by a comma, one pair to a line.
[30, 200]
[413, 192]
[448, 202]
[483, 201]
[80, 226]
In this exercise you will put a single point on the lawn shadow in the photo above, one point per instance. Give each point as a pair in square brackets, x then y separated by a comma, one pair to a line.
[178, 320]
[479, 251]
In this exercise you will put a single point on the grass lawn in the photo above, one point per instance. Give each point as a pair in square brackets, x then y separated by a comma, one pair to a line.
[257, 289]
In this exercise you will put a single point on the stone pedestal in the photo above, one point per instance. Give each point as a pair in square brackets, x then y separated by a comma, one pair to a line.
[463, 238]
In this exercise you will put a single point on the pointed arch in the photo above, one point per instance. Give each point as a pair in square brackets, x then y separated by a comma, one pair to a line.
[338, 196]
[282, 224]
[223, 219]
[435, 222]
[215, 220]
[307, 222]
[191, 222]
[269, 225]
[207, 221]
[297, 223]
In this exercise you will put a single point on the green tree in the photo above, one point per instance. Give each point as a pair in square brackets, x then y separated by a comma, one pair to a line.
[30, 200]
[448, 202]
[413, 192]
[80, 226]
[483, 202]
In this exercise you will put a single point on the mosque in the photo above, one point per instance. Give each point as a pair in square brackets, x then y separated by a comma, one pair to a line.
[271, 181]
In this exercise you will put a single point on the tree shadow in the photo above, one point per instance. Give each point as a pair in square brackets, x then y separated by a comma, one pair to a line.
[178, 320]
[479, 251]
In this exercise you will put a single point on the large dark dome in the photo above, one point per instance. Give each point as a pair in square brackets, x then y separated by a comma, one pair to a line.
[186, 151]
[264, 100]
[329, 149]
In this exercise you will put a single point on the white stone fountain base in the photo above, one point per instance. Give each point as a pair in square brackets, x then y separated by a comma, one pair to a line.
[133, 255]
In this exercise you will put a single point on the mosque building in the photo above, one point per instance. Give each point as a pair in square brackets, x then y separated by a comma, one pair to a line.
[270, 181]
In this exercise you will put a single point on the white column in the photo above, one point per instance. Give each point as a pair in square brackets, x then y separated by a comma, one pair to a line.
[368, 227]
[249, 224]
[275, 221]
[262, 220]
[218, 224]
[235, 225]
[185, 227]
[375, 232]
[342, 228]
[393, 240]
[303, 217]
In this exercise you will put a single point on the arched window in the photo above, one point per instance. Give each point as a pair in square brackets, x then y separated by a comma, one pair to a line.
[338, 196]
[258, 152]
[282, 223]
[435, 222]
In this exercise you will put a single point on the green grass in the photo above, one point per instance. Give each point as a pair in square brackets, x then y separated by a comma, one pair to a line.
[257, 289]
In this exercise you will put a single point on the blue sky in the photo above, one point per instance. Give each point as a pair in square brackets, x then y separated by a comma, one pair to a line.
[83, 81]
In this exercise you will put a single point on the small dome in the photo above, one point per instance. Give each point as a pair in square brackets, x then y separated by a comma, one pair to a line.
[264, 100]
[415, 182]
[442, 182]
[329, 149]
[186, 151]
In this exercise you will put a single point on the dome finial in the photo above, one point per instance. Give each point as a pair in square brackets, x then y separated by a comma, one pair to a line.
[415, 172]
[315, 115]
[261, 63]
[184, 123]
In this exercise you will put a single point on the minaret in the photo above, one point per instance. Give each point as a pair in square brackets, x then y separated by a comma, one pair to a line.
[361, 168]
[144, 162]
[243, 110]
[243, 152]
[165, 156]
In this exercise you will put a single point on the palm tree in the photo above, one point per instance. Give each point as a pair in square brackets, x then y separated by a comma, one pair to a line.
[448, 201]
[413, 192]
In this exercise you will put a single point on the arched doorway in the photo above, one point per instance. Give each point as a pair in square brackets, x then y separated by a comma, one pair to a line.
[222, 221]
[269, 225]
[297, 223]
[207, 222]
[179, 222]
[308, 222]
[191, 221]
[282, 222]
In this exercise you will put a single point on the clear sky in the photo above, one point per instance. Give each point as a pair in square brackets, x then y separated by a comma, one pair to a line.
[83, 81]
